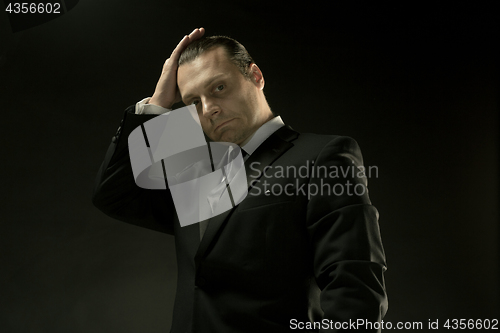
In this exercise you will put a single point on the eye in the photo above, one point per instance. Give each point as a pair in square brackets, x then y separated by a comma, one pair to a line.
[219, 87]
[195, 102]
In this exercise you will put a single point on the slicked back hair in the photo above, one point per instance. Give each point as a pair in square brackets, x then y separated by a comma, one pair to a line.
[236, 52]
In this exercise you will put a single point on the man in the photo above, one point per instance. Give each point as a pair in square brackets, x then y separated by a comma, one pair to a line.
[302, 251]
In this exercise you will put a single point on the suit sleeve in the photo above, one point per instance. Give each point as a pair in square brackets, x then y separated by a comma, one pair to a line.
[349, 259]
[117, 195]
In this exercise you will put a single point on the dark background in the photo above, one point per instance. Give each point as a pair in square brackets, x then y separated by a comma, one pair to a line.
[416, 86]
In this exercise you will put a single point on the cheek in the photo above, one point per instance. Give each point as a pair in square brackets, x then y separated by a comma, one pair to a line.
[205, 125]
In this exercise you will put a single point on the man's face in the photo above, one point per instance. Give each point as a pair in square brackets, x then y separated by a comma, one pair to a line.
[227, 103]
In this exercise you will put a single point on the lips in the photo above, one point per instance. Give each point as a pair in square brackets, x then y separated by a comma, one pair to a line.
[224, 123]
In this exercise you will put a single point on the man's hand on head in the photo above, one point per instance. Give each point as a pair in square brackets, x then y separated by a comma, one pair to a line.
[167, 93]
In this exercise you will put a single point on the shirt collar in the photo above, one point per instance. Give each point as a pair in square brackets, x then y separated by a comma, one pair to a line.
[260, 135]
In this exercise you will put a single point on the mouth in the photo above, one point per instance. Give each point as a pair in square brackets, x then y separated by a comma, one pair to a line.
[223, 124]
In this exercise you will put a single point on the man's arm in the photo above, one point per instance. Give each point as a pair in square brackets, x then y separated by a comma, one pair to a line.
[117, 195]
[349, 259]
[115, 191]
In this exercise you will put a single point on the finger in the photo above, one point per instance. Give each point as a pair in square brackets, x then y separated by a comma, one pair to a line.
[196, 33]
[185, 41]
[180, 47]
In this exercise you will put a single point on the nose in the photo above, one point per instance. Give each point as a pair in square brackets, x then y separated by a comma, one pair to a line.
[210, 107]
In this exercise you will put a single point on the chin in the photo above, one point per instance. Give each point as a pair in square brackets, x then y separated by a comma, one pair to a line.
[228, 139]
[232, 139]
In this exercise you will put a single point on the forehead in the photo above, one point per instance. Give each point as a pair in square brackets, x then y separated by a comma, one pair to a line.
[194, 74]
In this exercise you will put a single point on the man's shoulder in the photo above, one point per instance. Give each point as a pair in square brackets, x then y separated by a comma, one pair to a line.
[307, 139]
[316, 143]
[318, 137]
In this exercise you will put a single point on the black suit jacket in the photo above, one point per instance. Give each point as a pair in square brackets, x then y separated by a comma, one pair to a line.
[282, 257]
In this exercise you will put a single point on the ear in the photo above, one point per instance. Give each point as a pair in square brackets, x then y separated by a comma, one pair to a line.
[256, 76]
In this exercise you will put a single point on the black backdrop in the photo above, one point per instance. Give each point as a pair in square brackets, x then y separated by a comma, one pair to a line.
[416, 87]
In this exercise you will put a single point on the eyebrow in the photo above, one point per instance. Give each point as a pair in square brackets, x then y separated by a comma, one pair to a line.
[209, 82]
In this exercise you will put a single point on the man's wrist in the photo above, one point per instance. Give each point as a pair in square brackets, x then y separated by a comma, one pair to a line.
[144, 107]
[158, 100]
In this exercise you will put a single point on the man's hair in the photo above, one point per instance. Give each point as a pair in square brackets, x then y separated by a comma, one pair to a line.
[236, 52]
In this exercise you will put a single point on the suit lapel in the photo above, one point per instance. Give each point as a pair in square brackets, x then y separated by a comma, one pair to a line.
[269, 151]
